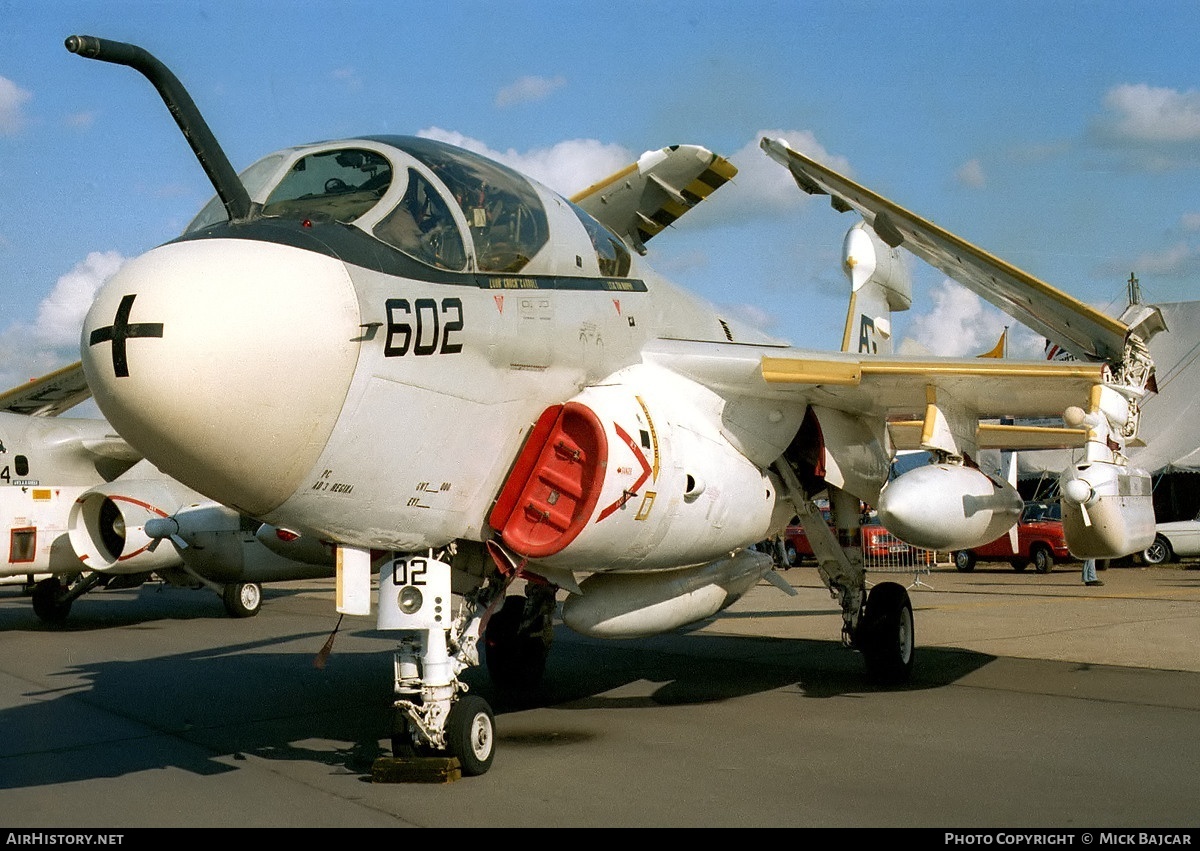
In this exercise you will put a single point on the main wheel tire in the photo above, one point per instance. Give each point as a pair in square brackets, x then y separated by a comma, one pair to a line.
[1158, 552]
[471, 734]
[242, 599]
[964, 560]
[1043, 560]
[514, 660]
[46, 604]
[886, 634]
[1019, 564]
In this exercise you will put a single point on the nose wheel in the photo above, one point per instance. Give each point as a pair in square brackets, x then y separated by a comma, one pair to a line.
[471, 734]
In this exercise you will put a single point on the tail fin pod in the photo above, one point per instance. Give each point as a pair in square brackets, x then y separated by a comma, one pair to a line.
[880, 283]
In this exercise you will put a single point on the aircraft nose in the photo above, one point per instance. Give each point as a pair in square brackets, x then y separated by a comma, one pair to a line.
[225, 362]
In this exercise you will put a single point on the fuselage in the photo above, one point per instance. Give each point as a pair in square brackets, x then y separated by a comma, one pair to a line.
[364, 358]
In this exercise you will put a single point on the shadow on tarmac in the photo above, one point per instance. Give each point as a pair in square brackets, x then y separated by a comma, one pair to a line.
[202, 711]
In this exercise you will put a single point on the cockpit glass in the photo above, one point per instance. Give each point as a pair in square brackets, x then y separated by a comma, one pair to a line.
[505, 216]
[336, 186]
[254, 178]
[423, 227]
[611, 253]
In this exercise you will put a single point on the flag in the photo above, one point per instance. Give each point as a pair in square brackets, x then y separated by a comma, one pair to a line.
[998, 351]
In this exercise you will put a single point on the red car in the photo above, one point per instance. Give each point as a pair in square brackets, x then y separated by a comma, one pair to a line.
[1040, 542]
[878, 544]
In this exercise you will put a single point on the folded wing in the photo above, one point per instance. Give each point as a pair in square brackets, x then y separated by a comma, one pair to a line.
[1083, 331]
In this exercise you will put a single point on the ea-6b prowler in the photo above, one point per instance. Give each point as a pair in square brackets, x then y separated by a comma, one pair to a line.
[398, 346]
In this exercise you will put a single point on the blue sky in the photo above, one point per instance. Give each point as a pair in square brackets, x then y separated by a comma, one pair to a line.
[1063, 137]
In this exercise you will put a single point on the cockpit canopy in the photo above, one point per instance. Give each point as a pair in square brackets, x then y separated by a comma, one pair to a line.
[442, 205]
[331, 186]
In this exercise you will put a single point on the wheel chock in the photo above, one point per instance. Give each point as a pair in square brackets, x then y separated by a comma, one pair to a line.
[419, 769]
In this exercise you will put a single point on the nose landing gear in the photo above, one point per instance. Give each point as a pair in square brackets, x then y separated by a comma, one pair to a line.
[435, 716]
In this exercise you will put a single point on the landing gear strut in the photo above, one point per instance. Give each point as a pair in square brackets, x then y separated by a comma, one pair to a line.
[518, 637]
[879, 625]
[433, 712]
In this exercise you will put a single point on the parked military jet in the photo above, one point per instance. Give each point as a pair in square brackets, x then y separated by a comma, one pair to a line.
[395, 344]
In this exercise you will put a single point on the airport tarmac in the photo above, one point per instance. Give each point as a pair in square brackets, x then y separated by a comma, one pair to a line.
[1036, 702]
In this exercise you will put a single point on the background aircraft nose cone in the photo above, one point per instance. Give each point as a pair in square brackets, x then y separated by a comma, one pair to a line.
[225, 362]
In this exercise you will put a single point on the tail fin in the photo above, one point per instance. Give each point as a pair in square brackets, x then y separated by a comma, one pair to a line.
[879, 284]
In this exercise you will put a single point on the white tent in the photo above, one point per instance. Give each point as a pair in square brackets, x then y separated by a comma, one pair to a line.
[1171, 418]
[1170, 427]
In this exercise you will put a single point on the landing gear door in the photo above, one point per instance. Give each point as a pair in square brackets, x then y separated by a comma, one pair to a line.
[414, 593]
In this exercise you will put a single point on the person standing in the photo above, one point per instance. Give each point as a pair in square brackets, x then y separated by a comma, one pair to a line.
[1089, 572]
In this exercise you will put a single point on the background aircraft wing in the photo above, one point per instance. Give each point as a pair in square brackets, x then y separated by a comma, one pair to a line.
[1083, 331]
[49, 395]
[642, 199]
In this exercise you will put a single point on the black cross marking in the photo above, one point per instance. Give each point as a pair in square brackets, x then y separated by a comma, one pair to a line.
[120, 331]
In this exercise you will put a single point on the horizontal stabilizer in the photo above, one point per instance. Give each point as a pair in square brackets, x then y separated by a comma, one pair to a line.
[645, 197]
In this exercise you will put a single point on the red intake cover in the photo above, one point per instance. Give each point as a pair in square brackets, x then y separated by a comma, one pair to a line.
[555, 483]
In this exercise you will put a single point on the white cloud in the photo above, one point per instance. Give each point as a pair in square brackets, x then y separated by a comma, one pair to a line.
[764, 185]
[970, 174]
[348, 77]
[12, 99]
[1181, 260]
[60, 315]
[961, 324]
[81, 120]
[53, 340]
[566, 167]
[1190, 222]
[1145, 113]
[528, 89]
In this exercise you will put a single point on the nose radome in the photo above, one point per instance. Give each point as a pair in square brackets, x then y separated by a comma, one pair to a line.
[225, 362]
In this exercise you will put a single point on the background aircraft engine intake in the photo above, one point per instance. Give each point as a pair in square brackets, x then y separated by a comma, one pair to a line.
[633, 473]
[633, 605]
[106, 525]
[948, 507]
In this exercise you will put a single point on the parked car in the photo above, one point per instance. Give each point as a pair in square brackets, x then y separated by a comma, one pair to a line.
[796, 541]
[1040, 542]
[878, 544]
[1173, 541]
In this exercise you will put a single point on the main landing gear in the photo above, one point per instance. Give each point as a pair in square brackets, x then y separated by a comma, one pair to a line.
[885, 634]
[879, 624]
[242, 599]
[53, 596]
